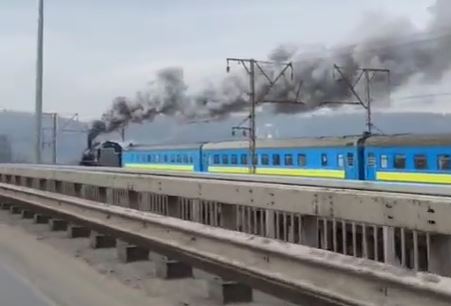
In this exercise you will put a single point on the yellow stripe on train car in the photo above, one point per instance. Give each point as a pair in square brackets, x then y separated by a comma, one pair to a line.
[160, 167]
[414, 177]
[322, 173]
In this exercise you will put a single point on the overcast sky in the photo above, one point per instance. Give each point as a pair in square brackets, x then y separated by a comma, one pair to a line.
[98, 49]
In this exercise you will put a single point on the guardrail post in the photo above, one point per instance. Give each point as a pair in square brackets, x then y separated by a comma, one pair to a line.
[439, 261]
[229, 216]
[309, 231]
[173, 207]
[133, 199]
[270, 223]
[109, 196]
[389, 245]
[195, 213]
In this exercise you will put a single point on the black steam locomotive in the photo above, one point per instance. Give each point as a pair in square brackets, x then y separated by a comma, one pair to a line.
[102, 154]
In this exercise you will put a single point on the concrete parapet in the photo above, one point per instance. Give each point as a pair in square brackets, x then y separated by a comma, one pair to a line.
[57, 225]
[167, 268]
[76, 231]
[130, 253]
[100, 241]
[225, 292]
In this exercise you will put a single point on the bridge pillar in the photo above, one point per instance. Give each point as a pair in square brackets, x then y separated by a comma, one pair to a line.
[15, 210]
[58, 225]
[6, 205]
[225, 292]
[76, 231]
[100, 241]
[41, 219]
[27, 214]
[130, 253]
[167, 268]
[309, 231]
[440, 251]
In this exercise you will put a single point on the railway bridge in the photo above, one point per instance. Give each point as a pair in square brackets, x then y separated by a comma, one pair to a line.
[311, 242]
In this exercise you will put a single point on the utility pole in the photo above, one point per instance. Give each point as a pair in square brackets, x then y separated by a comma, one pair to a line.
[251, 65]
[39, 75]
[54, 137]
[369, 74]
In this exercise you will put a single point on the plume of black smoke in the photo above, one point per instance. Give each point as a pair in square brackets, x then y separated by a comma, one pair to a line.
[386, 46]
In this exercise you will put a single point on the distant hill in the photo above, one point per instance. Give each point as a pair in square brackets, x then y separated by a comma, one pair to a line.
[72, 134]
[19, 126]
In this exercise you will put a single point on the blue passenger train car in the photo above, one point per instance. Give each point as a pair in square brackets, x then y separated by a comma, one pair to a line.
[170, 157]
[409, 158]
[305, 157]
[391, 158]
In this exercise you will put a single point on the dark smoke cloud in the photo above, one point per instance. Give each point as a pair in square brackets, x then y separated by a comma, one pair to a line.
[394, 44]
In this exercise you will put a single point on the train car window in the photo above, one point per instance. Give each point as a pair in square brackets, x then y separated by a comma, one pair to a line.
[185, 158]
[265, 159]
[172, 158]
[324, 160]
[400, 161]
[165, 158]
[234, 159]
[216, 159]
[340, 160]
[444, 162]
[243, 159]
[302, 160]
[191, 159]
[225, 159]
[149, 158]
[384, 161]
[256, 159]
[275, 159]
[288, 160]
[420, 162]
[179, 159]
[350, 158]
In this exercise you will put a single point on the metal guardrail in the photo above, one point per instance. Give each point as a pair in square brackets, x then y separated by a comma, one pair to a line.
[289, 271]
[408, 230]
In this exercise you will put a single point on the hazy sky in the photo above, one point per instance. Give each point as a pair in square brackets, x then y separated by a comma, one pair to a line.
[98, 49]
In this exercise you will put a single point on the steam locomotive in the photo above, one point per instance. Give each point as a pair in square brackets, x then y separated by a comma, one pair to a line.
[393, 158]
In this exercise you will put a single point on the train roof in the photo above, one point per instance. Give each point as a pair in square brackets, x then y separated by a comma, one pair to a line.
[317, 142]
[144, 147]
[409, 140]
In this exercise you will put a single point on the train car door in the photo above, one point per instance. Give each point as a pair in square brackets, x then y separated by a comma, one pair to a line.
[350, 167]
[370, 166]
